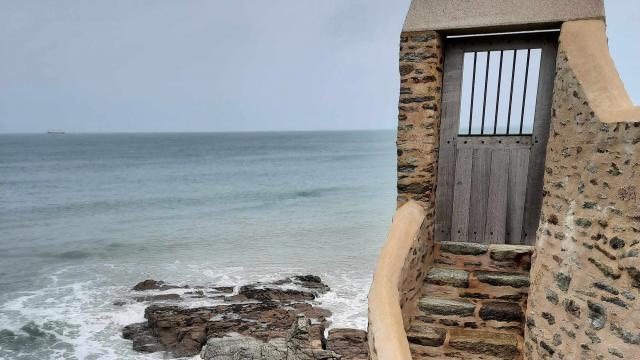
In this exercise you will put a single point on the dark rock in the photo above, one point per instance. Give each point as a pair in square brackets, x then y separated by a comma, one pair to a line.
[426, 335]
[615, 352]
[159, 297]
[299, 344]
[549, 317]
[501, 311]
[547, 348]
[563, 280]
[605, 269]
[151, 284]
[571, 307]
[350, 344]
[551, 296]
[270, 314]
[606, 287]
[582, 222]
[496, 278]
[625, 335]
[269, 294]
[617, 243]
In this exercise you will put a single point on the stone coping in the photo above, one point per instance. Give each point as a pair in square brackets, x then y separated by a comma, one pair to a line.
[387, 335]
[584, 42]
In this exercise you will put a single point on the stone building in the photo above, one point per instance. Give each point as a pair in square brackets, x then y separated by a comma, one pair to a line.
[517, 234]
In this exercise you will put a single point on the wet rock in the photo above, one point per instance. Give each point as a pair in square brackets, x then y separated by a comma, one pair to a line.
[257, 314]
[151, 284]
[298, 345]
[159, 297]
[350, 344]
[269, 294]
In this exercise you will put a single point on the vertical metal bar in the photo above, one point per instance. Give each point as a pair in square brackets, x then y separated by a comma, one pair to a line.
[524, 93]
[473, 88]
[484, 102]
[513, 75]
[495, 122]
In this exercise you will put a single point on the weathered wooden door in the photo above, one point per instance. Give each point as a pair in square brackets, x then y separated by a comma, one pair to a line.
[496, 108]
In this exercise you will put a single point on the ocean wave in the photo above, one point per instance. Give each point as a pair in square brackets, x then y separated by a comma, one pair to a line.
[78, 320]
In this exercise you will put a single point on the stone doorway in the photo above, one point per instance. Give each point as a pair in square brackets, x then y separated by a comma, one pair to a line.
[496, 108]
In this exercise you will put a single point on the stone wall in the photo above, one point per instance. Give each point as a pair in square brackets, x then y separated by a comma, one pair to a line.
[421, 59]
[584, 301]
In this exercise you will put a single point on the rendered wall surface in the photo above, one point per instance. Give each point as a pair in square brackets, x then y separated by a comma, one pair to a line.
[584, 299]
[491, 14]
[421, 59]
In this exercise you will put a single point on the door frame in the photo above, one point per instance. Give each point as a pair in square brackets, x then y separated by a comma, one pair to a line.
[449, 127]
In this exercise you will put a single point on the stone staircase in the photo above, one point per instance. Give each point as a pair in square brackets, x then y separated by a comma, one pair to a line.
[473, 303]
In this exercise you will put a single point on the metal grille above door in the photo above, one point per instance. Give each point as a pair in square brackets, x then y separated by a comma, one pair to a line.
[495, 124]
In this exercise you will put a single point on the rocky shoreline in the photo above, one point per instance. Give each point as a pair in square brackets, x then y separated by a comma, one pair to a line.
[263, 321]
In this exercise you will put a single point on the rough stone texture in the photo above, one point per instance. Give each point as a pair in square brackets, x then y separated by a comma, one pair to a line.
[436, 306]
[419, 116]
[456, 300]
[351, 344]
[426, 335]
[245, 324]
[503, 279]
[298, 345]
[500, 345]
[451, 277]
[579, 278]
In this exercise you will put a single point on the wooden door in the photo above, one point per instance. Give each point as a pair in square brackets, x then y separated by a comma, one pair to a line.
[496, 108]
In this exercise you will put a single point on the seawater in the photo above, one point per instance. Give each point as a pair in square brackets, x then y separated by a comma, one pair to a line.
[83, 217]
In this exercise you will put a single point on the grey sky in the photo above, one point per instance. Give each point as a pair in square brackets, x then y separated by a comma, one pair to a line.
[204, 65]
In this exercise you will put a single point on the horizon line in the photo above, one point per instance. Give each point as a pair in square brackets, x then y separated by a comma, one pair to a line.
[192, 132]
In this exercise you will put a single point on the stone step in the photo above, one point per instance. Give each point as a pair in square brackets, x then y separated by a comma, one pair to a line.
[459, 278]
[473, 256]
[447, 310]
[424, 335]
[448, 277]
[446, 307]
[500, 345]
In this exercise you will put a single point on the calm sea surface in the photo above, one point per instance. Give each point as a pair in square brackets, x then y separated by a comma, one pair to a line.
[85, 217]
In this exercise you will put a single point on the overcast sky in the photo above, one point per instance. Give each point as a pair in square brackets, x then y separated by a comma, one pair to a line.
[205, 65]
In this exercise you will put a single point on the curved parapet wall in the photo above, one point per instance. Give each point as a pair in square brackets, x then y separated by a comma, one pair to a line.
[401, 269]
[584, 299]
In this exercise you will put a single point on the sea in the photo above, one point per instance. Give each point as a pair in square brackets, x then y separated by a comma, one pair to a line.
[84, 217]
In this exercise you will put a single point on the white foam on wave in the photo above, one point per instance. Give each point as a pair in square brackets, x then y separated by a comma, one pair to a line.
[83, 318]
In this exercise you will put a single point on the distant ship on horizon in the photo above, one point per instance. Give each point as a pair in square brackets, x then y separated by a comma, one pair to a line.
[55, 132]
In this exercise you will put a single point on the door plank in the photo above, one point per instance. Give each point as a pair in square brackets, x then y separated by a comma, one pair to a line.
[462, 196]
[479, 194]
[497, 203]
[533, 201]
[516, 193]
[452, 88]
